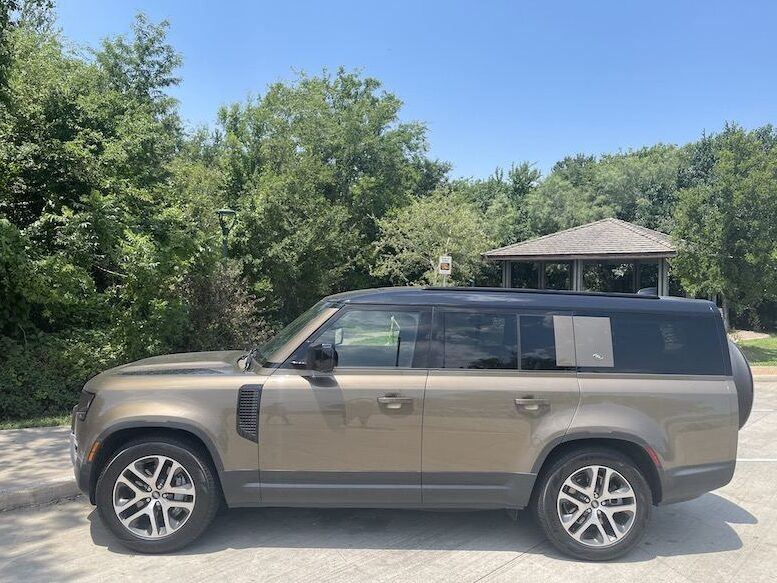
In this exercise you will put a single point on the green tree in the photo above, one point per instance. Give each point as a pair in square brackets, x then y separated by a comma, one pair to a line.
[727, 222]
[100, 225]
[34, 14]
[311, 167]
[413, 237]
[502, 200]
[637, 186]
[559, 204]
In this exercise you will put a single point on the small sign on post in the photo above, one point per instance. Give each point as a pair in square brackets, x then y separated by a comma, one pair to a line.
[444, 267]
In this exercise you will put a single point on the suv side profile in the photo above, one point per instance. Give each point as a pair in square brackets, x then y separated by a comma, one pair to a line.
[587, 408]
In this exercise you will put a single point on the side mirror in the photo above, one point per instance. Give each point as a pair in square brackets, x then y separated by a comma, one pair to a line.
[322, 358]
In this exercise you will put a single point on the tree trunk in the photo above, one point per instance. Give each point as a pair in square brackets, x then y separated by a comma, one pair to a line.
[724, 310]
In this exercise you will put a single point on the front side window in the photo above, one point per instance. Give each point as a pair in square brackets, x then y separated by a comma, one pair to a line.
[376, 338]
[479, 341]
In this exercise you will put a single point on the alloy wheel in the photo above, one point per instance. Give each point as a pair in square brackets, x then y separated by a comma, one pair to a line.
[153, 496]
[597, 506]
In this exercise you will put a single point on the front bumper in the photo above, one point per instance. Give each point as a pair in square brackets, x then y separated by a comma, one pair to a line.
[81, 467]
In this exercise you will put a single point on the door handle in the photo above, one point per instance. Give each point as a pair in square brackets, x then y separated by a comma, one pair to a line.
[394, 401]
[531, 404]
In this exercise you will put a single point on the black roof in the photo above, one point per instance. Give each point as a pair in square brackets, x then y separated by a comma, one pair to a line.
[484, 297]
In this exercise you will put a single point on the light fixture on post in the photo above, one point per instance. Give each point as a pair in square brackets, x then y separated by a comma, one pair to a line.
[226, 221]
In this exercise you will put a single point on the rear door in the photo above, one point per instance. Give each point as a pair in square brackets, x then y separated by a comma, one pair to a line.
[502, 385]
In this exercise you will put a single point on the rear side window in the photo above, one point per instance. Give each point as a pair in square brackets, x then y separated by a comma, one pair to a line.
[545, 343]
[649, 344]
[479, 341]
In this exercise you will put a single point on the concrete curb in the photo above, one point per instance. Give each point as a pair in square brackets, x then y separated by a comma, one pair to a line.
[765, 378]
[43, 493]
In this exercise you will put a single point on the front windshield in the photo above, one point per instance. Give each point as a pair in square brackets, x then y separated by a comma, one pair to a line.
[264, 351]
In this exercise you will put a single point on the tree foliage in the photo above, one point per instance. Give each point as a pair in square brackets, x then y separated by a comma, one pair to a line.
[311, 167]
[413, 237]
[110, 245]
[727, 221]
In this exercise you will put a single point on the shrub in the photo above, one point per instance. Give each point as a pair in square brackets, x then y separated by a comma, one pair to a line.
[45, 375]
[222, 314]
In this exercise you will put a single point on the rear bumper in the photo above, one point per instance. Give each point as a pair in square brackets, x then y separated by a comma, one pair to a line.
[688, 482]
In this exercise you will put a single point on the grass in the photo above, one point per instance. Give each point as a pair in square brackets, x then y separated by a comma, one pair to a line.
[761, 352]
[45, 421]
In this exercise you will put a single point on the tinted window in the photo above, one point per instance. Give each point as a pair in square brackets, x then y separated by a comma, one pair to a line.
[662, 345]
[374, 338]
[483, 341]
[538, 344]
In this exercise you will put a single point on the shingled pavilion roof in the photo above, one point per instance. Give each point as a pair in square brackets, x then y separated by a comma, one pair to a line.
[606, 238]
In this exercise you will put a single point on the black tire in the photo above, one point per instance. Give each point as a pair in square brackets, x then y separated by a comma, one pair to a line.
[206, 487]
[546, 500]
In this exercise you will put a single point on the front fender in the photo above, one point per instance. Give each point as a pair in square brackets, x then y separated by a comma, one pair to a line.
[166, 422]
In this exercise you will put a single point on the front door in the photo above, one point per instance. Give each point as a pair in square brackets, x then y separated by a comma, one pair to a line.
[501, 386]
[351, 437]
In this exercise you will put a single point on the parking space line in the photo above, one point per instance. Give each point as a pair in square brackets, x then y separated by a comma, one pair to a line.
[758, 459]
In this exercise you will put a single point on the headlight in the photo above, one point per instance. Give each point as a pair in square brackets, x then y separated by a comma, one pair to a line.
[84, 402]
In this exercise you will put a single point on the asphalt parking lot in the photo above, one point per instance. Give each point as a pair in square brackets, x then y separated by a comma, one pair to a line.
[727, 535]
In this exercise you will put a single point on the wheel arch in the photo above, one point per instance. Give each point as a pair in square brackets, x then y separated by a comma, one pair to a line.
[112, 438]
[643, 456]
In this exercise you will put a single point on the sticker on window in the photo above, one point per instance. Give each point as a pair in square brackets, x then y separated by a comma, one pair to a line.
[593, 341]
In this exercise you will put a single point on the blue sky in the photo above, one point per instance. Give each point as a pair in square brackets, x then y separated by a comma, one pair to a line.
[495, 82]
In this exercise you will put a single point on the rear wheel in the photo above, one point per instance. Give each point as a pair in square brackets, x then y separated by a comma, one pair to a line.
[593, 504]
[157, 496]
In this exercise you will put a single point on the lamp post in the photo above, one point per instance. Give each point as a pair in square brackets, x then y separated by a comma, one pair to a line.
[226, 221]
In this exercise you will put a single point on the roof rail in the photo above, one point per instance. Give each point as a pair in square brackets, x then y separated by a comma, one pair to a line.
[564, 292]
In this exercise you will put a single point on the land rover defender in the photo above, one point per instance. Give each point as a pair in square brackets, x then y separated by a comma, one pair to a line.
[586, 408]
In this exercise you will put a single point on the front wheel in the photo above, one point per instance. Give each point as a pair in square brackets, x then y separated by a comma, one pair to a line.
[157, 496]
[593, 504]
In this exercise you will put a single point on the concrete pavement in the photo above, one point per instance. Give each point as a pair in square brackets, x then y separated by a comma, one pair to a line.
[727, 535]
[35, 467]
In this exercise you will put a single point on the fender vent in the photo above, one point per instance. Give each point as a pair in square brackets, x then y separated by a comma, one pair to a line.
[248, 398]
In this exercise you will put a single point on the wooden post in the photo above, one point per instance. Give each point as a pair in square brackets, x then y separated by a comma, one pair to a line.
[637, 276]
[663, 277]
[577, 275]
[507, 273]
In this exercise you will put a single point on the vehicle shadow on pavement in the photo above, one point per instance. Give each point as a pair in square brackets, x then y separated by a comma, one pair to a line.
[690, 528]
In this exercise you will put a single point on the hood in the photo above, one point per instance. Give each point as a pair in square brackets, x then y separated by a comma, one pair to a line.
[219, 362]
